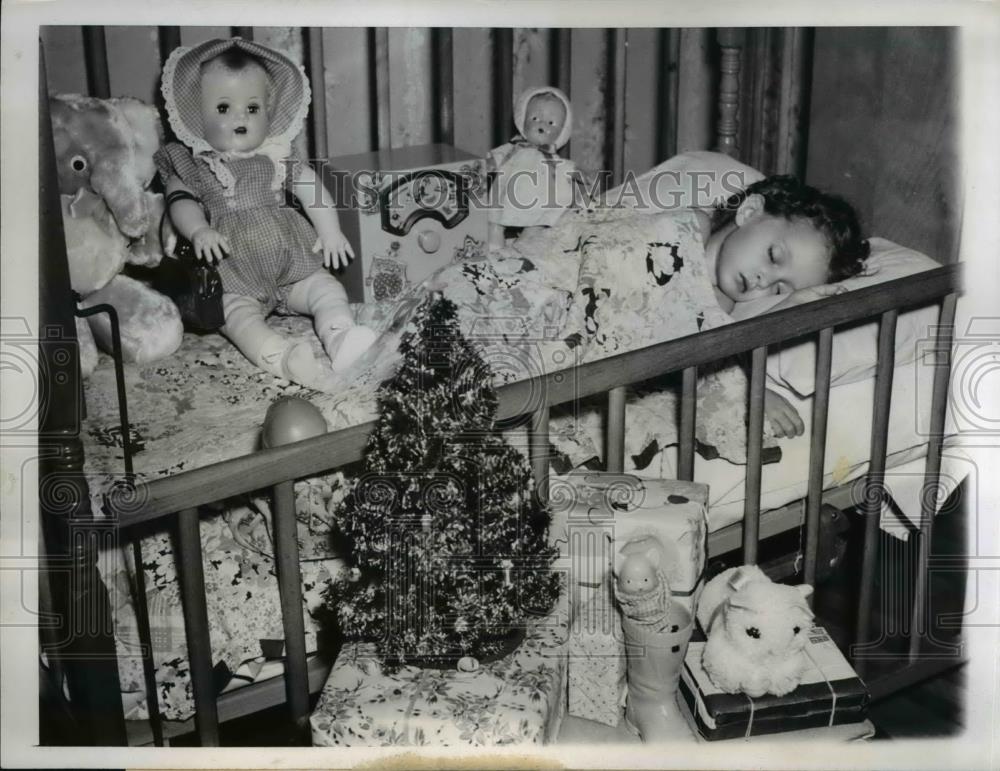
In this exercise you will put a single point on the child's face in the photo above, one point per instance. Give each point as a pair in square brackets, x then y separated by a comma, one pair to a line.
[234, 108]
[543, 119]
[768, 255]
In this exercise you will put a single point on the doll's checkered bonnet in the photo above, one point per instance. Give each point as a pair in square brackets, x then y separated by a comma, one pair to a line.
[288, 101]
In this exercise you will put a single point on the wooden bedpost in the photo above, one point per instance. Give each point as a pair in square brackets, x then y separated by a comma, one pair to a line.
[85, 644]
[731, 41]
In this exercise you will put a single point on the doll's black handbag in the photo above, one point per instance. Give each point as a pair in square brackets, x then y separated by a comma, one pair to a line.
[194, 285]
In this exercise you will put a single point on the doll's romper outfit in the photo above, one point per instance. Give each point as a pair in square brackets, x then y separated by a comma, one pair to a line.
[271, 265]
[271, 243]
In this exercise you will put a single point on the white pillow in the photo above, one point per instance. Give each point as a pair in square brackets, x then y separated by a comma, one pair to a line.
[855, 348]
[700, 179]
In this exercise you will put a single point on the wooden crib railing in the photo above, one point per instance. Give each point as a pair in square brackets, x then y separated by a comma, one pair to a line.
[272, 468]
[89, 659]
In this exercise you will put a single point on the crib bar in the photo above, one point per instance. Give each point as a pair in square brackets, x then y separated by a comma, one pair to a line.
[666, 132]
[939, 402]
[95, 50]
[444, 84]
[169, 38]
[539, 451]
[239, 475]
[317, 77]
[689, 403]
[817, 452]
[731, 41]
[85, 650]
[562, 72]
[616, 430]
[618, 43]
[286, 550]
[793, 113]
[875, 481]
[755, 437]
[146, 640]
[380, 81]
[199, 644]
[503, 84]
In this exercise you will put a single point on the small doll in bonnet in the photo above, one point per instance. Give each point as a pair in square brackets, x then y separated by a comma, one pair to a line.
[236, 106]
[532, 184]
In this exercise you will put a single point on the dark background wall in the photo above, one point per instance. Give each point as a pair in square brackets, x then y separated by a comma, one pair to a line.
[883, 131]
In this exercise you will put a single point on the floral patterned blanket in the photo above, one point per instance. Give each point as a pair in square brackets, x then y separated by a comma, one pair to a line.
[599, 283]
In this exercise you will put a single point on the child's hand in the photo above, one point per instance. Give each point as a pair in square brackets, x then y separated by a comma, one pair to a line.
[336, 249]
[810, 294]
[209, 244]
[784, 418]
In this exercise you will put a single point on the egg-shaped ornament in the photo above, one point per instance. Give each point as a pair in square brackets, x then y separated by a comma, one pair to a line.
[468, 664]
[291, 419]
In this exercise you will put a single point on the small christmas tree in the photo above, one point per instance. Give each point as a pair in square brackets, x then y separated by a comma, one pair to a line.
[450, 550]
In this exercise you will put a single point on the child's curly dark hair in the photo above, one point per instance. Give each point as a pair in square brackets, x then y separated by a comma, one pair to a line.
[785, 196]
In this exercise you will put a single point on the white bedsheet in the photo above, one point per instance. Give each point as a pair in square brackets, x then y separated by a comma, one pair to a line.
[847, 452]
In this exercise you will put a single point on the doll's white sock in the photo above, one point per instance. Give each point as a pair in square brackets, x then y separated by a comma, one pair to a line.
[323, 297]
[246, 327]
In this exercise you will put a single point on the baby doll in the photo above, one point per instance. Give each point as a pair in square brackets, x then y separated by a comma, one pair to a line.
[781, 237]
[641, 588]
[237, 106]
[532, 184]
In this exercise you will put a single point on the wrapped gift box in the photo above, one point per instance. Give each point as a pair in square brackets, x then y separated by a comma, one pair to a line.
[830, 694]
[596, 655]
[518, 699]
[601, 509]
[599, 512]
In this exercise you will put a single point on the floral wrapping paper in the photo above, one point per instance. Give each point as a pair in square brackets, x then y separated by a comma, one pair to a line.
[207, 402]
[519, 699]
[597, 669]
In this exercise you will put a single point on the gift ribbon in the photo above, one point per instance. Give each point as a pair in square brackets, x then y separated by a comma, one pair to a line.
[829, 685]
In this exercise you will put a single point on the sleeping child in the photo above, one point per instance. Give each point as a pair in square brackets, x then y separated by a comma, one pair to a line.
[781, 237]
[237, 106]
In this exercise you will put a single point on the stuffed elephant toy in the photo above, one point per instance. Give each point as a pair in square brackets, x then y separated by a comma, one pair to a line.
[104, 159]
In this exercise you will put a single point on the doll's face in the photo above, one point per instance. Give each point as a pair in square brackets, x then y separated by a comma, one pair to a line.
[637, 575]
[234, 107]
[543, 119]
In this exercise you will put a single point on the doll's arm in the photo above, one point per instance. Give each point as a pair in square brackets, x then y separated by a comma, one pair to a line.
[319, 207]
[189, 220]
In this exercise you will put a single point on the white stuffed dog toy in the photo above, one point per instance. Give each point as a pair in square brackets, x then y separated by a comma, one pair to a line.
[757, 631]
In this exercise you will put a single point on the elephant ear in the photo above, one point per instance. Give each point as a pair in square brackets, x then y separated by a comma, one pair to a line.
[146, 130]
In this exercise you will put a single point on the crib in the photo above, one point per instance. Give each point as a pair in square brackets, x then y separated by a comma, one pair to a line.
[71, 584]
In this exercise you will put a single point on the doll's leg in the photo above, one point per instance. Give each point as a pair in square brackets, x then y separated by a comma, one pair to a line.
[323, 297]
[246, 328]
